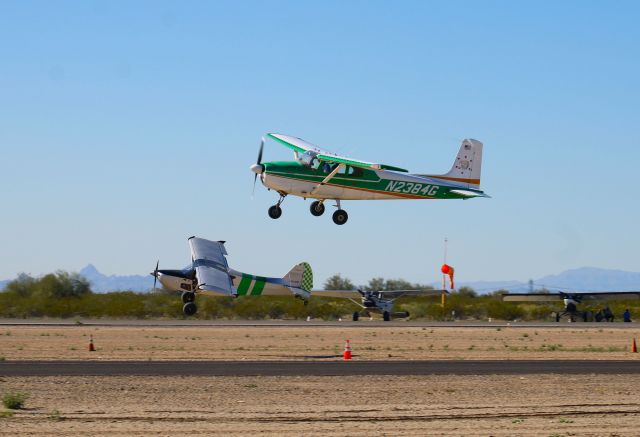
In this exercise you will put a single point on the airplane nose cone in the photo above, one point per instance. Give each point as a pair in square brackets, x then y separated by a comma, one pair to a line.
[257, 168]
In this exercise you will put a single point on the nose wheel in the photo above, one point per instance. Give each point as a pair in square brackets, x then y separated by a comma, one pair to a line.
[275, 211]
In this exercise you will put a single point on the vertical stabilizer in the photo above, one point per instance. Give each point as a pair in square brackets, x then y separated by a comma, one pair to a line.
[466, 167]
[301, 276]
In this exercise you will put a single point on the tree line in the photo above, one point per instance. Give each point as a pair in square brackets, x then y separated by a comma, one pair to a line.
[69, 295]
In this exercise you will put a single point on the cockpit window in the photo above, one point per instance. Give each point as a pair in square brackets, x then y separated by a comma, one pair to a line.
[309, 160]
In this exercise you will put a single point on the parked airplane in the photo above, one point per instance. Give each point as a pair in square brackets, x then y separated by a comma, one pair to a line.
[209, 274]
[571, 300]
[321, 175]
[377, 301]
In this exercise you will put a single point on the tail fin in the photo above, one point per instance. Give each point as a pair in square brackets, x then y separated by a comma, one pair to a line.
[301, 276]
[467, 165]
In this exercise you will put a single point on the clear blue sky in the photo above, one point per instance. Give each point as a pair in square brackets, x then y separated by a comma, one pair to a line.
[126, 127]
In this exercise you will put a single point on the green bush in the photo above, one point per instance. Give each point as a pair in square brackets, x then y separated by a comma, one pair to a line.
[14, 401]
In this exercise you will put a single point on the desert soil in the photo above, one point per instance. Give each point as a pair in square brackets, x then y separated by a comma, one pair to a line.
[550, 405]
[300, 343]
[533, 405]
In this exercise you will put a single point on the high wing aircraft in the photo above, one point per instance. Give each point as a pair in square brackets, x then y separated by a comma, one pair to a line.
[570, 300]
[209, 274]
[321, 175]
[377, 301]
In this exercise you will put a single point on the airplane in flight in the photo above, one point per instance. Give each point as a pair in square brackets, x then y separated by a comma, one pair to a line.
[571, 300]
[321, 175]
[380, 302]
[209, 274]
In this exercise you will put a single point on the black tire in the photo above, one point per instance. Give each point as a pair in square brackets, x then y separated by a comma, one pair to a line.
[275, 212]
[317, 208]
[557, 317]
[188, 296]
[340, 217]
[356, 316]
[189, 309]
[386, 316]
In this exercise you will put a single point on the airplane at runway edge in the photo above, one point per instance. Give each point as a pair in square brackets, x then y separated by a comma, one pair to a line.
[322, 175]
[570, 300]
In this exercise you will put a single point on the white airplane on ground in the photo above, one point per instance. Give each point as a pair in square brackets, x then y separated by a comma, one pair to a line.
[571, 300]
[209, 274]
[377, 301]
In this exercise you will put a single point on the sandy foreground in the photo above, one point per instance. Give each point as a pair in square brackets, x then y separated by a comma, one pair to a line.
[471, 405]
[534, 405]
[305, 343]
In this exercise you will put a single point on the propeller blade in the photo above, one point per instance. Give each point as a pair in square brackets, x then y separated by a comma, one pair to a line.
[155, 275]
[259, 161]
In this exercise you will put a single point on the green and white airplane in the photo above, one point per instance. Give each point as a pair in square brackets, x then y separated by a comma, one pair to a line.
[321, 175]
[210, 275]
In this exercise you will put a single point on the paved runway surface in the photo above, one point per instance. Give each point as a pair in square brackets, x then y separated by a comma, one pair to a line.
[314, 368]
[363, 323]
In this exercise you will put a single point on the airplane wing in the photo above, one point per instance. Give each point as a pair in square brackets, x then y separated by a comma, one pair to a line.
[532, 297]
[301, 146]
[346, 294]
[552, 297]
[210, 265]
[609, 295]
[394, 294]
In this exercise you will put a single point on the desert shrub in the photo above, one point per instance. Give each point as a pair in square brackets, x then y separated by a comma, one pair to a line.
[14, 401]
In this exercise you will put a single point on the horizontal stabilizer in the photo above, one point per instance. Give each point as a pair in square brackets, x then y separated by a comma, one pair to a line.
[469, 193]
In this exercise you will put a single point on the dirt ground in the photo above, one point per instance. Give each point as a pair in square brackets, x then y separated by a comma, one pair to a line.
[533, 405]
[287, 343]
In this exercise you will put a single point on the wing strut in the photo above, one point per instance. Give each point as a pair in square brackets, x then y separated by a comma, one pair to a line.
[327, 179]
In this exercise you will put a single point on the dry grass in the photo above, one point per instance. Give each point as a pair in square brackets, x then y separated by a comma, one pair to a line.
[278, 343]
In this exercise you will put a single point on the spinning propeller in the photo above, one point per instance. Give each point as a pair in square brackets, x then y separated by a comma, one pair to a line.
[257, 168]
[155, 275]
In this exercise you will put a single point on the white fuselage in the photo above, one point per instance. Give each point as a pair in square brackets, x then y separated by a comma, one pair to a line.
[335, 189]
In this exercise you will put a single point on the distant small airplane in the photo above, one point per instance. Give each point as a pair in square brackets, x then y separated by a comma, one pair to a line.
[321, 175]
[209, 274]
[570, 300]
[377, 301]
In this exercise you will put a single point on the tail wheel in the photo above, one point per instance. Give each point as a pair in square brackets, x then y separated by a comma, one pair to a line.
[189, 309]
[386, 316]
[356, 316]
[317, 208]
[275, 212]
[340, 217]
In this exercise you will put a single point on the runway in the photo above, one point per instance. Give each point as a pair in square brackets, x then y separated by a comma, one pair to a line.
[363, 323]
[317, 368]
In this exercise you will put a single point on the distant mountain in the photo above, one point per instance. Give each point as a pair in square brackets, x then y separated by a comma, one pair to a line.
[101, 283]
[582, 279]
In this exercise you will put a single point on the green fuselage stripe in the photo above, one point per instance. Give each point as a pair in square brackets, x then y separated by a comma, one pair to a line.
[245, 282]
[258, 286]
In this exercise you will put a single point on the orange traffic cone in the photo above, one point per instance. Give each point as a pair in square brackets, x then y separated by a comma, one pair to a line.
[92, 348]
[634, 347]
[347, 351]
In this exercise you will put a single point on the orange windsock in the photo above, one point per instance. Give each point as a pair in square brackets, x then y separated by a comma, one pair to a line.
[448, 270]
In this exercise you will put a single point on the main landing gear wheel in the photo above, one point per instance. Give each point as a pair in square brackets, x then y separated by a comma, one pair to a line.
[188, 296]
[340, 217]
[189, 309]
[275, 212]
[386, 316]
[317, 208]
[356, 316]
